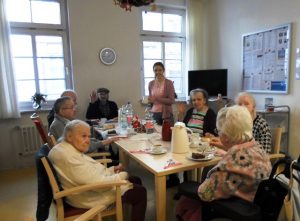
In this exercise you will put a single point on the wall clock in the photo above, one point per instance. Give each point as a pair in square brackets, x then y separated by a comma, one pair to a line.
[107, 56]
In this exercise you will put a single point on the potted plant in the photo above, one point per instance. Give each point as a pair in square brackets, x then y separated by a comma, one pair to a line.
[38, 99]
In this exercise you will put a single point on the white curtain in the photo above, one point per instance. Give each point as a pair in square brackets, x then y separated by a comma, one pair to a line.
[195, 49]
[8, 96]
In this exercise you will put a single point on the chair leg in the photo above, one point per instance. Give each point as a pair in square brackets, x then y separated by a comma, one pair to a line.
[98, 217]
[119, 209]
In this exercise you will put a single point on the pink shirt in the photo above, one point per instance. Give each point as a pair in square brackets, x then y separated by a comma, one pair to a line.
[158, 91]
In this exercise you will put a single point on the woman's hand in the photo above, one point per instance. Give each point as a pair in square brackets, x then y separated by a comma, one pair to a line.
[119, 168]
[109, 140]
[151, 99]
[215, 141]
[209, 135]
[93, 97]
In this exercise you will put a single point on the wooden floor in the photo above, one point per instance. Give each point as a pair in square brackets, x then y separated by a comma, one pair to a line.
[18, 195]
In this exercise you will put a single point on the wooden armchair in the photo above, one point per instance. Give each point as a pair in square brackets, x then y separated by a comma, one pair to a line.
[65, 212]
[42, 130]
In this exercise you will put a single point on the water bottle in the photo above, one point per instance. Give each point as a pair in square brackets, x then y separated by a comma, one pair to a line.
[148, 113]
[129, 113]
[122, 121]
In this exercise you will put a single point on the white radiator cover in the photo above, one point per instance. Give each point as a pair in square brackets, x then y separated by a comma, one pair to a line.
[30, 139]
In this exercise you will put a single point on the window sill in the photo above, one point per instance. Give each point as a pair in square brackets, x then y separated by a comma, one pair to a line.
[26, 110]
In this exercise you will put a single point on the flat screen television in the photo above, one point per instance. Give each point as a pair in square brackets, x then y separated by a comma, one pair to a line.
[213, 81]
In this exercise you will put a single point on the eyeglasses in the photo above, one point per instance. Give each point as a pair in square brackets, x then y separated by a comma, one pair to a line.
[73, 107]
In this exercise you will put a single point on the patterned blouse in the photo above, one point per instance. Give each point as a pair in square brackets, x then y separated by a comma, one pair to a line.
[237, 174]
[262, 133]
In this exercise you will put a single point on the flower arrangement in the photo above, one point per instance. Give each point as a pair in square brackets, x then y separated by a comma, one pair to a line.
[127, 4]
[38, 99]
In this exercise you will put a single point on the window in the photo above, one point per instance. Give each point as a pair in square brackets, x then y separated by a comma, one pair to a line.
[40, 48]
[163, 39]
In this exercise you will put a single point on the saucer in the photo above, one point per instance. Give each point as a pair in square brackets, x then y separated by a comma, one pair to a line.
[161, 151]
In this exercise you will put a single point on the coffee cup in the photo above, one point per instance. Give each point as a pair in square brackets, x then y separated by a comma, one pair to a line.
[156, 149]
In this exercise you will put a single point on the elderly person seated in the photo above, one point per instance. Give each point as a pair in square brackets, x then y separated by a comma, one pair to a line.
[261, 131]
[100, 106]
[200, 118]
[65, 111]
[75, 168]
[67, 93]
[240, 170]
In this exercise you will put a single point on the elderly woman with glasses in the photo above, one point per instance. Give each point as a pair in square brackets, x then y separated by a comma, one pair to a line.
[261, 131]
[240, 170]
[200, 118]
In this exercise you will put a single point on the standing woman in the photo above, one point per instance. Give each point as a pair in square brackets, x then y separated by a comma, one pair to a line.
[200, 118]
[261, 131]
[161, 95]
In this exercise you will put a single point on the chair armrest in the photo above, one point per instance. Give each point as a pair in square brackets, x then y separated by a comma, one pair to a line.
[104, 161]
[99, 154]
[87, 187]
[276, 156]
[91, 213]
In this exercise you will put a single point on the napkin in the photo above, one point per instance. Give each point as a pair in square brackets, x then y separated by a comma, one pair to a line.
[171, 163]
[138, 151]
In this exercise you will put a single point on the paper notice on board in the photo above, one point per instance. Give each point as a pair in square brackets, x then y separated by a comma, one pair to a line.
[297, 64]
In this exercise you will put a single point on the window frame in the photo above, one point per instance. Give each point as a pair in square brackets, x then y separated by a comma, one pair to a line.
[36, 29]
[163, 37]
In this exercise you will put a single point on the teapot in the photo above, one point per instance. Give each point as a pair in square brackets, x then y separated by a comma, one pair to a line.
[180, 139]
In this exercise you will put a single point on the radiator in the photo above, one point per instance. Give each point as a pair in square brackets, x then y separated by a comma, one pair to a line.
[30, 139]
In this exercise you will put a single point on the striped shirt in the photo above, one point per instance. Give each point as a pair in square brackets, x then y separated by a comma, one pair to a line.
[196, 122]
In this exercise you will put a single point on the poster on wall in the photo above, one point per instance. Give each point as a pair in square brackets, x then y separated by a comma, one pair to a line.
[266, 56]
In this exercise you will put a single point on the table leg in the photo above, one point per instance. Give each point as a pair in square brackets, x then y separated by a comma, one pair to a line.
[160, 197]
[124, 159]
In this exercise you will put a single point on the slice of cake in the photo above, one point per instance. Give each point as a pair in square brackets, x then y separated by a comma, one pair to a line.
[197, 155]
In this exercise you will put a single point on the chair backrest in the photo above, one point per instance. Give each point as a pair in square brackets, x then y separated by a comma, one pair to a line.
[55, 186]
[42, 131]
[276, 139]
[39, 126]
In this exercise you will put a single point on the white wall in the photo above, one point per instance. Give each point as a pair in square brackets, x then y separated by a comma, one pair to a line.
[225, 23]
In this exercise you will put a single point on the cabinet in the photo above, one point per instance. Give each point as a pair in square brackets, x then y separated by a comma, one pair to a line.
[280, 117]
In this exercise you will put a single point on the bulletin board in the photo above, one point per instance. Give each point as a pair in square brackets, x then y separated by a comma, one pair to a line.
[266, 59]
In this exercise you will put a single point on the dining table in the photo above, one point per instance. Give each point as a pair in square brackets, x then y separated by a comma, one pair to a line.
[139, 147]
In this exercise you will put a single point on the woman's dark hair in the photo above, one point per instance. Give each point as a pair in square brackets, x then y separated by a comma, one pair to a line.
[159, 64]
[59, 103]
[204, 92]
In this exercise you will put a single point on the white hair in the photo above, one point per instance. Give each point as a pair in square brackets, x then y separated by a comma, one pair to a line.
[245, 94]
[236, 123]
[67, 92]
[72, 125]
